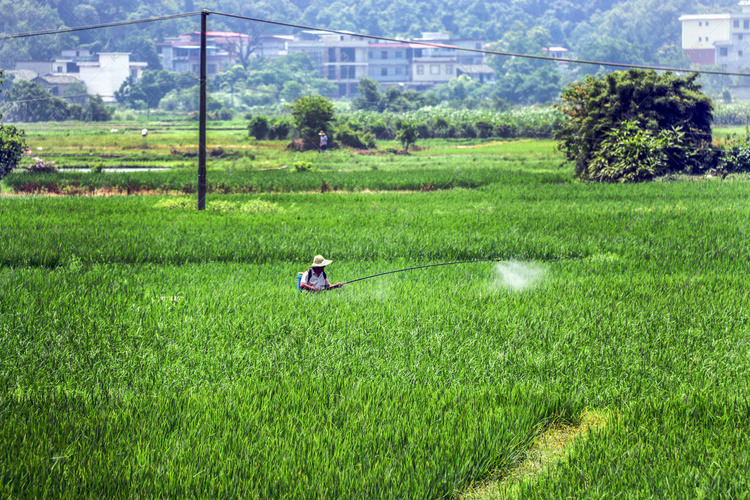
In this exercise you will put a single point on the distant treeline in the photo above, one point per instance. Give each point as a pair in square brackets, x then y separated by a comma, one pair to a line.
[634, 31]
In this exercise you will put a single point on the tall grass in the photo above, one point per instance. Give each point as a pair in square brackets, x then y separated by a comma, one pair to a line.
[148, 349]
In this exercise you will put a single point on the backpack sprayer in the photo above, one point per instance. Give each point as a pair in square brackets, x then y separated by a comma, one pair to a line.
[299, 275]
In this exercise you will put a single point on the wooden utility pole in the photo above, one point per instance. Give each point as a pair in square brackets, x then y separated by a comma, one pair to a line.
[202, 118]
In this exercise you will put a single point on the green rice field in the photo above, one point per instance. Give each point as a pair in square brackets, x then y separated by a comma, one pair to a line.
[151, 350]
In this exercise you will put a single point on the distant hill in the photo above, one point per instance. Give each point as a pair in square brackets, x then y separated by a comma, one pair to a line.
[637, 31]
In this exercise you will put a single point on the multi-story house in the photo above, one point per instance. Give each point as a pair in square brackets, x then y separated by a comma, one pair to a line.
[223, 50]
[435, 63]
[389, 62]
[103, 74]
[345, 59]
[272, 46]
[342, 59]
[722, 39]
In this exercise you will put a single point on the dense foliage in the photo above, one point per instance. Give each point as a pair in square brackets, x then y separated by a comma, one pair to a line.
[28, 101]
[639, 32]
[522, 80]
[153, 86]
[12, 144]
[596, 107]
[312, 115]
[407, 135]
[646, 27]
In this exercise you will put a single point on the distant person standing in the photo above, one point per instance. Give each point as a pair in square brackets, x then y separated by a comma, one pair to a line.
[323, 141]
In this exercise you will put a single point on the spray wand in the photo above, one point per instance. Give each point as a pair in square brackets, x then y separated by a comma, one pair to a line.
[421, 267]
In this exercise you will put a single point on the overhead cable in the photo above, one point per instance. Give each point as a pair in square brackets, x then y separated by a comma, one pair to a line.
[482, 51]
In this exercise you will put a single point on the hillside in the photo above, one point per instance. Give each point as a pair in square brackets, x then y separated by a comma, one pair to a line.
[639, 31]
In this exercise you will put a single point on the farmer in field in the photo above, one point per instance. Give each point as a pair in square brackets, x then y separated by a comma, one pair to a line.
[315, 279]
[323, 141]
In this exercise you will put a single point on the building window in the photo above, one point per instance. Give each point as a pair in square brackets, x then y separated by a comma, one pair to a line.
[369, 54]
[331, 55]
[739, 37]
[348, 72]
[700, 23]
[399, 70]
[746, 24]
[420, 69]
[434, 69]
[384, 54]
[418, 52]
[449, 69]
[706, 23]
[700, 38]
[723, 52]
[706, 38]
[347, 55]
[331, 73]
[383, 71]
[736, 23]
[399, 55]
[739, 53]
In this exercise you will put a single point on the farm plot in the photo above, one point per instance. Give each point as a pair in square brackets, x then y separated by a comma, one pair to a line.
[149, 349]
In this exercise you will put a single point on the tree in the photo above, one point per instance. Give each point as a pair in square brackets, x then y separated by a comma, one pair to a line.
[458, 89]
[611, 50]
[141, 48]
[370, 96]
[598, 106]
[25, 16]
[522, 79]
[153, 86]
[30, 102]
[12, 144]
[95, 111]
[76, 93]
[407, 135]
[258, 127]
[311, 114]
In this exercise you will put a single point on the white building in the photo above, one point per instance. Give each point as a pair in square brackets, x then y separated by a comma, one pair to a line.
[722, 39]
[102, 74]
[106, 75]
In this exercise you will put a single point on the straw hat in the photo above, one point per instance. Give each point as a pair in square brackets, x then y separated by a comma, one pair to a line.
[320, 261]
[321, 133]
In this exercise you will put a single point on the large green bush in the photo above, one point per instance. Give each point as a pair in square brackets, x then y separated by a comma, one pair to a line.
[407, 135]
[12, 143]
[258, 127]
[311, 114]
[347, 136]
[631, 153]
[598, 106]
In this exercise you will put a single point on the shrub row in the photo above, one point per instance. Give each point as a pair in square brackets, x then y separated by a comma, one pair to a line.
[451, 123]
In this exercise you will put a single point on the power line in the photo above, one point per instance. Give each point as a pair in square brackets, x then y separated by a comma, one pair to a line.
[96, 26]
[481, 51]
